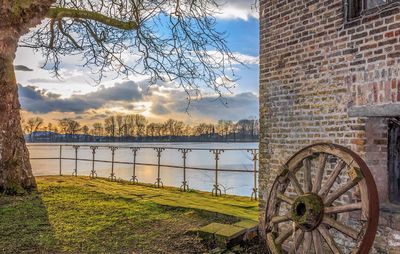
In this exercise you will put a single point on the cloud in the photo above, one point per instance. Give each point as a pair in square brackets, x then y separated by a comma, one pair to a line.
[41, 101]
[237, 9]
[232, 107]
[159, 109]
[158, 103]
[243, 58]
[247, 59]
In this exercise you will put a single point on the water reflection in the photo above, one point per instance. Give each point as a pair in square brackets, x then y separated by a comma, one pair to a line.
[237, 183]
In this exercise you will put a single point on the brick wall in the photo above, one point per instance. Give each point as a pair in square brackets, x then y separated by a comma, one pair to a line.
[315, 68]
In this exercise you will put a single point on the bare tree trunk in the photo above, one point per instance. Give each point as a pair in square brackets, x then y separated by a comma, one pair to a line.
[15, 168]
[16, 19]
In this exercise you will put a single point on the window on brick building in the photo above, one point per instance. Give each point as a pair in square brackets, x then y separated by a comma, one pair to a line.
[394, 160]
[356, 7]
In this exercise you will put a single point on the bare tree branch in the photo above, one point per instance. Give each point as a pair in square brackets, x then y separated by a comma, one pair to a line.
[59, 13]
[167, 40]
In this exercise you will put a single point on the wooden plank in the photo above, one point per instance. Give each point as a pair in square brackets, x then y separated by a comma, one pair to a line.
[320, 172]
[328, 239]
[326, 148]
[307, 242]
[317, 242]
[299, 240]
[307, 175]
[284, 236]
[275, 249]
[295, 183]
[364, 199]
[343, 208]
[295, 163]
[285, 198]
[279, 219]
[332, 178]
[332, 197]
[341, 227]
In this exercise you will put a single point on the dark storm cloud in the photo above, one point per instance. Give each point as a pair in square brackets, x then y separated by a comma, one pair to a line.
[233, 107]
[159, 109]
[40, 101]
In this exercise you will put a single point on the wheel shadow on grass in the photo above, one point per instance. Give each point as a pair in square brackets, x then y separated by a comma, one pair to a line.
[25, 225]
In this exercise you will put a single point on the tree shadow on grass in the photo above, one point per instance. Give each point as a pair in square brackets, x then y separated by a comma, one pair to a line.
[25, 226]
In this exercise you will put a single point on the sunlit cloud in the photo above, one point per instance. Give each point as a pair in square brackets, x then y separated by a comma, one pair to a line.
[130, 98]
[238, 9]
[242, 58]
[76, 94]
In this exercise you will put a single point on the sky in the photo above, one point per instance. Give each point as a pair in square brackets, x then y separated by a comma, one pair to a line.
[77, 96]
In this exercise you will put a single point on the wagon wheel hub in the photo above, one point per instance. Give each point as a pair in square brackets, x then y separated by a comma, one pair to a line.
[323, 199]
[307, 211]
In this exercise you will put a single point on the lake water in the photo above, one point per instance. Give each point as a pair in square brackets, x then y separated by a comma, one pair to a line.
[237, 183]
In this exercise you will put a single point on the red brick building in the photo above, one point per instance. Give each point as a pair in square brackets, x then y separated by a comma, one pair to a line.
[330, 72]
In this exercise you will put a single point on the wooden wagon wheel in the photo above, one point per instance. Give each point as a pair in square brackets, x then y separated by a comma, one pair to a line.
[324, 200]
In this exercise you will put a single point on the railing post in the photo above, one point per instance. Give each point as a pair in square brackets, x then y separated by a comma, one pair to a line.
[60, 160]
[75, 173]
[93, 173]
[254, 153]
[185, 185]
[158, 180]
[134, 178]
[112, 175]
[216, 189]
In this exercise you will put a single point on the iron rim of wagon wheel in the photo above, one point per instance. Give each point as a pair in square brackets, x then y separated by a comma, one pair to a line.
[312, 210]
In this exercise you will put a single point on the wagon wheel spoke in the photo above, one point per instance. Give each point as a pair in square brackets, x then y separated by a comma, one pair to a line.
[307, 175]
[274, 249]
[280, 219]
[285, 235]
[320, 172]
[317, 242]
[343, 208]
[295, 183]
[355, 178]
[341, 227]
[332, 178]
[307, 242]
[296, 245]
[328, 239]
[313, 206]
[284, 198]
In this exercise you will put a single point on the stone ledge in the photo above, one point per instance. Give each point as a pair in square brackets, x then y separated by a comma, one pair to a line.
[383, 110]
[226, 236]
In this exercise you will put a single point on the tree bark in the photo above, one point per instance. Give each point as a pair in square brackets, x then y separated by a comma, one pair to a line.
[15, 168]
[16, 19]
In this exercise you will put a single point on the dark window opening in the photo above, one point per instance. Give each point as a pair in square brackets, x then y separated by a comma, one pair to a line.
[356, 7]
[394, 160]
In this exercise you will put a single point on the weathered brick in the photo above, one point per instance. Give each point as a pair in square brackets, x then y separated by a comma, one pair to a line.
[332, 65]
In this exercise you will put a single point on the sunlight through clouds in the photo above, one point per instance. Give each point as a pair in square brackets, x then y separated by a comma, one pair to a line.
[76, 94]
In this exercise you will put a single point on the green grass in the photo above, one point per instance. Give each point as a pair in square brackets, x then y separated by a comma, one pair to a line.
[79, 215]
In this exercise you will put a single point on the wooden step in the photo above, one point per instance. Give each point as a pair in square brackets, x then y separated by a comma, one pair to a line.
[226, 236]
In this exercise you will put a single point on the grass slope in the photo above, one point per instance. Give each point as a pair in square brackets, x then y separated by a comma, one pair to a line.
[79, 215]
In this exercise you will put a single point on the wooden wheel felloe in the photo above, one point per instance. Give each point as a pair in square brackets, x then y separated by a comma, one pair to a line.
[324, 200]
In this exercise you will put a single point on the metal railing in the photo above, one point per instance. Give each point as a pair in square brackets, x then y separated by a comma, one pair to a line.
[135, 151]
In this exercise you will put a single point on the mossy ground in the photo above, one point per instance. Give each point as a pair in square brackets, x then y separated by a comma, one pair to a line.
[80, 215]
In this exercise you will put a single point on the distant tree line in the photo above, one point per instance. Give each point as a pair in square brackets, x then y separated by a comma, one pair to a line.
[131, 128]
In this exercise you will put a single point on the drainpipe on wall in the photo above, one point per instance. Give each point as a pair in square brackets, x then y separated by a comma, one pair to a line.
[346, 10]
